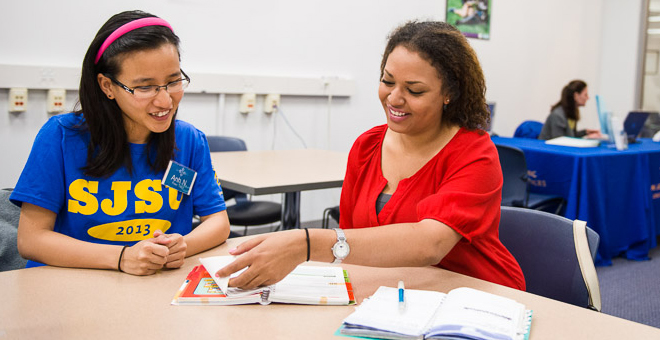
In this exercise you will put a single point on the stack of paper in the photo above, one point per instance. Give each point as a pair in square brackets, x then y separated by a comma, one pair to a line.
[574, 142]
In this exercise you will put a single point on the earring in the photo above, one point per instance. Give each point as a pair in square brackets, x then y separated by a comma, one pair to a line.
[109, 96]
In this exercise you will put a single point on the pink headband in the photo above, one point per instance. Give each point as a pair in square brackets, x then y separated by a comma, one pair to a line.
[127, 27]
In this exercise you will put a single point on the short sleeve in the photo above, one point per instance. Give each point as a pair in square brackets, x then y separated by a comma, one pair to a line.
[42, 181]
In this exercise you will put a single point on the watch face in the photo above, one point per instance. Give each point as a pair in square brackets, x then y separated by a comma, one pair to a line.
[341, 250]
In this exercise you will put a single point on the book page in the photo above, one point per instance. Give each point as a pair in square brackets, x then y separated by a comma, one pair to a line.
[213, 264]
[312, 285]
[381, 311]
[482, 315]
[200, 289]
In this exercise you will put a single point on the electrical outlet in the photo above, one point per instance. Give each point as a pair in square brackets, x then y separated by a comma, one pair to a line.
[247, 102]
[55, 101]
[18, 99]
[271, 103]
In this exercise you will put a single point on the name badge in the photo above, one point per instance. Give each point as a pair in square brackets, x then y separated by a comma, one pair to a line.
[179, 177]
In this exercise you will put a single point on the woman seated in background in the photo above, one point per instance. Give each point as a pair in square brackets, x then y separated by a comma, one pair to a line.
[423, 189]
[91, 194]
[564, 115]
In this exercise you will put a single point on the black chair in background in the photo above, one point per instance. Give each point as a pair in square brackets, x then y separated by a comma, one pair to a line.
[245, 212]
[515, 190]
[555, 254]
[328, 213]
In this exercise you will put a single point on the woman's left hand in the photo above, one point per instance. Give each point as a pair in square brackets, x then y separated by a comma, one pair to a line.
[269, 259]
[177, 246]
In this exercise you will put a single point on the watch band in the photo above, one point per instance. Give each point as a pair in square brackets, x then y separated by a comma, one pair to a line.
[341, 242]
[340, 234]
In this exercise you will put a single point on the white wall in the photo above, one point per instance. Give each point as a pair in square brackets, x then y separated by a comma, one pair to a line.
[622, 48]
[536, 47]
[651, 99]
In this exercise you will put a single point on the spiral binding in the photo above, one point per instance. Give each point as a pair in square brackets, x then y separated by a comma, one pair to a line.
[265, 295]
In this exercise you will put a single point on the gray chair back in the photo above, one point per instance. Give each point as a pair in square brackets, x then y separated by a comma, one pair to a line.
[10, 259]
[544, 246]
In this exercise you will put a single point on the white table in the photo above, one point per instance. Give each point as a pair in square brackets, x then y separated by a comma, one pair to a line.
[281, 171]
[64, 303]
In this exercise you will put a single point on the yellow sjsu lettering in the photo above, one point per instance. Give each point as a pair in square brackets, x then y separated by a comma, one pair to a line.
[121, 200]
[174, 202]
[142, 192]
[81, 192]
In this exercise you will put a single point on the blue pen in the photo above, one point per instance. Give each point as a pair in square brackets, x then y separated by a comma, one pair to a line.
[402, 302]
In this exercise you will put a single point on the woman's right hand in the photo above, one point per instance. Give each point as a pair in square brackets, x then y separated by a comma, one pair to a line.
[145, 257]
[269, 259]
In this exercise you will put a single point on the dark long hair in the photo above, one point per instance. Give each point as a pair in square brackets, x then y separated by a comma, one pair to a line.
[567, 101]
[457, 65]
[108, 148]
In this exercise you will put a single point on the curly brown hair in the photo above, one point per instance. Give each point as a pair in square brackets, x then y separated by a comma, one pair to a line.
[449, 52]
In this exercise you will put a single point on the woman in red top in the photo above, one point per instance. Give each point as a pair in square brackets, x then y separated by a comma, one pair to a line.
[424, 189]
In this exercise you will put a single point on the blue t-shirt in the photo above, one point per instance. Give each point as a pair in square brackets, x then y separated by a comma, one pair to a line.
[120, 209]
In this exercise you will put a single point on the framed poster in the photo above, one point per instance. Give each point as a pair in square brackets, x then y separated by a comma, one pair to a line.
[471, 17]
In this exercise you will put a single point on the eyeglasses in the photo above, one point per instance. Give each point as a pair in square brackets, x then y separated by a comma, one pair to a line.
[150, 91]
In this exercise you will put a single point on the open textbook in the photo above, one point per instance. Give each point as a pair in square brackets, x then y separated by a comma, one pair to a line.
[463, 313]
[313, 285]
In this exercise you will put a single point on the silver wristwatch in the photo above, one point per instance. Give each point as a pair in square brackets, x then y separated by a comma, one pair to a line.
[341, 249]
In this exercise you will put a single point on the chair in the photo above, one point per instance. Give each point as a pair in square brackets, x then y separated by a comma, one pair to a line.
[245, 212]
[10, 259]
[528, 129]
[555, 256]
[332, 212]
[651, 126]
[515, 191]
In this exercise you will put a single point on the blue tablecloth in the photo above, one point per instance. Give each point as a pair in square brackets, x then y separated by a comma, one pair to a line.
[616, 192]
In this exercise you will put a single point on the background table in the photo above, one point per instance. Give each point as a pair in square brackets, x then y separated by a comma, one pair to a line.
[616, 192]
[64, 303]
[281, 171]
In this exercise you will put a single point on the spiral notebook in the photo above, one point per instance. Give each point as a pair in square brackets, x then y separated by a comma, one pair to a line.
[463, 313]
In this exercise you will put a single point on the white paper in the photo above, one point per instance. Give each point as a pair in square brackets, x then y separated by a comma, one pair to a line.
[481, 314]
[381, 311]
[213, 264]
[620, 136]
[574, 142]
[462, 313]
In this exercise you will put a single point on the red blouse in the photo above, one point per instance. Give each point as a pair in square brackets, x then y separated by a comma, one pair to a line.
[461, 187]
